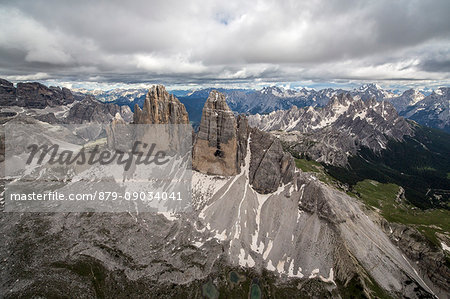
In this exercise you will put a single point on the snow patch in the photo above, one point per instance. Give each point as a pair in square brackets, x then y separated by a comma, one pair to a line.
[245, 262]
[314, 273]
[268, 249]
[280, 266]
[291, 271]
[445, 247]
[169, 216]
[269, 266]
[330, 277]
[198, 244]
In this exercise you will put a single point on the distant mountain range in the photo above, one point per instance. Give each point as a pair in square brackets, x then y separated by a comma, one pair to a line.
[430, 109]
[331, 133]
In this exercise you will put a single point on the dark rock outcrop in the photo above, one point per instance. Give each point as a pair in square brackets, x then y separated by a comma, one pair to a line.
[243, 131]
[33, 95]
[50, 118]
[7, 93]
[160, 107]
[270, 166]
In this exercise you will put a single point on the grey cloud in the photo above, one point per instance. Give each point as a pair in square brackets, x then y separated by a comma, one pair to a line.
[212, 41]
[434, 65]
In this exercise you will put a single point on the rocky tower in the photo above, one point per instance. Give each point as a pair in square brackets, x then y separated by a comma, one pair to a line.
[160, 107]
[224, 141]
[216, 146]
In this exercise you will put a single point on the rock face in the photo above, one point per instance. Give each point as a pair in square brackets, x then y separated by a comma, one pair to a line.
[302, 230]
[216, 145]
[270, 166]
[90, 110]
[56, 105]
[430, 258]
[160, 107]
[33, 95]
[408, 98]
[333, 133]
[7, 93]
[243, 131]
[114, 132]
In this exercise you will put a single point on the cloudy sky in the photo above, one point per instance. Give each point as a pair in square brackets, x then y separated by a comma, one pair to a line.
[228, 43]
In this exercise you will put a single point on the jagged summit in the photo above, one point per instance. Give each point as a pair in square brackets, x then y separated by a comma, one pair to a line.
[216, 146]
[336, 131]
[368, 86]
[218, 123]
[160, 107]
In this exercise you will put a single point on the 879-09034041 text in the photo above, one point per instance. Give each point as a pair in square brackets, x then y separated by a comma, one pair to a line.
[98, 195]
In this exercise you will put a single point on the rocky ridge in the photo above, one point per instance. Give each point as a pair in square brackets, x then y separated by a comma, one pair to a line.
[55, 105]
[90, 110]
[333, 133]
[408, 98]
[290, 213]
[302, 230]
[33, 95]
[273, 98]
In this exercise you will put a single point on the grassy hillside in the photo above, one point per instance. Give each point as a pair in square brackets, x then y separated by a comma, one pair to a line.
[420, 164]
[318, 169]
[383, 198]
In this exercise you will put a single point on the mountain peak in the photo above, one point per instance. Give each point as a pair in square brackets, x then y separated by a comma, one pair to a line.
[216, 148]
[160, 107]
[370, 86]
[274, 90]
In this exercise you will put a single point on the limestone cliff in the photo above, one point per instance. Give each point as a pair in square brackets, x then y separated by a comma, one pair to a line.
[216, 145]
[160, 107]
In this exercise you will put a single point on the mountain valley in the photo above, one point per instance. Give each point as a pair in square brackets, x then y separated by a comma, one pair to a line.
[301, 202]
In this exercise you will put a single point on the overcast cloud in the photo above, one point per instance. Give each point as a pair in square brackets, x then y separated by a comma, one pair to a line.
[226, 42]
